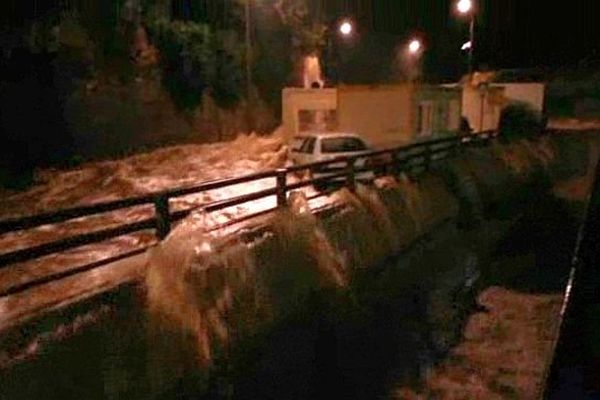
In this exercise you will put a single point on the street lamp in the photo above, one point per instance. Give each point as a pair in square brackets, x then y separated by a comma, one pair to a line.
[346, 28]
[248, 57]
[466, 7]
[414, 46]
[409, 57]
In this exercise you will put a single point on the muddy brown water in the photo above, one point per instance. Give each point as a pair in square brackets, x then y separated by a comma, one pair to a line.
[394, 323]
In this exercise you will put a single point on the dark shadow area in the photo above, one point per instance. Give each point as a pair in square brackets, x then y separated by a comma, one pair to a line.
[94, 350]
[33, 131]
[575, 372]
[546, 233]
[336, 349]
[392, 325]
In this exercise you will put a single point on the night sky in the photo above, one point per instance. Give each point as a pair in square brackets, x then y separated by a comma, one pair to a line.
[511, 33]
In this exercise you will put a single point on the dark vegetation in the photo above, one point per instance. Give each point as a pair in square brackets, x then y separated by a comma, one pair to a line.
[57, 49]
[520, 121]
[33, 131]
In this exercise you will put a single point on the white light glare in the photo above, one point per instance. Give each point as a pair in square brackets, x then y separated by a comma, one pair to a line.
[414, 46]
[464, 6]
[346, 28]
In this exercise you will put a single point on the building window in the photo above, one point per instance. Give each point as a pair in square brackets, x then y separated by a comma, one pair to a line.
[425, 118]
[317, 120]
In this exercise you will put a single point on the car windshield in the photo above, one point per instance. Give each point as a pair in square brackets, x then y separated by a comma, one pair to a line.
[342, 145]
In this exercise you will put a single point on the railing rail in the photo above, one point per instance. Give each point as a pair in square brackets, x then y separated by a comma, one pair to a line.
[417, 155]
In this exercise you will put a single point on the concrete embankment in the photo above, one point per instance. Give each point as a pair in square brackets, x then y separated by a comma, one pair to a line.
[307, 306]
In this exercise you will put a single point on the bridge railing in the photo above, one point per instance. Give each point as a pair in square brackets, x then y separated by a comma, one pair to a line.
[345, 169]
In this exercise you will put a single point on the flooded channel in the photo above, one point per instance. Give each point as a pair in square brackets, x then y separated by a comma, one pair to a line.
[387, 334]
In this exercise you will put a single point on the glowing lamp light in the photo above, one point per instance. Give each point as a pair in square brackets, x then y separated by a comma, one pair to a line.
[345, 28]
[414, 46]
[466, 46]
[464, 6]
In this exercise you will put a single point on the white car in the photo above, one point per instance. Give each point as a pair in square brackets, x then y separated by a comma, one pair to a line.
[322, 146]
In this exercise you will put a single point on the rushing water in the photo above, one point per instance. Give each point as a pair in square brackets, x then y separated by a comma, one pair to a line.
[305, 308]
[223, 302]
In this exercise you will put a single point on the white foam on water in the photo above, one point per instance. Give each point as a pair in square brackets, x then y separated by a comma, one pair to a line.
[202, 287]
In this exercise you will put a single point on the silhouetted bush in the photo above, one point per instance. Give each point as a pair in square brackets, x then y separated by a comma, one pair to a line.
[520, 121]
[560, 106]
[33, 132]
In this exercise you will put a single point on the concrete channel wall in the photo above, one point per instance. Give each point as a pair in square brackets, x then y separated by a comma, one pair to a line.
[304, 304]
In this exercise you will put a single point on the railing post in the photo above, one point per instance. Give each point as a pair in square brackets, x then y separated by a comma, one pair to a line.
[485, 137]
[163, 221]
[459, 146]
[281, 187]
[463, 144]
[350, 174]
[427, 157]
[456, 147]
[398, 165]
[390, 167]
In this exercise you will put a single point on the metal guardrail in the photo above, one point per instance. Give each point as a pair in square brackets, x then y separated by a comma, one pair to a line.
[390, 161]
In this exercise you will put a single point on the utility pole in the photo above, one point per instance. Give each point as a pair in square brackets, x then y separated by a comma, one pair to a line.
[249, 116]
[472, 40]
[483, 88]
[467, 8]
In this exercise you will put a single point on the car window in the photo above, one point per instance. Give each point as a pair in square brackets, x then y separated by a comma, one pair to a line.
[342, 145]
[308, 146]
[297, 143]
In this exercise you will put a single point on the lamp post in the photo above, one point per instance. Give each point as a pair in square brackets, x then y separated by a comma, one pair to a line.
[483, 91]
[410, 55]
[345, 29]
[466, 7]
[248, 56]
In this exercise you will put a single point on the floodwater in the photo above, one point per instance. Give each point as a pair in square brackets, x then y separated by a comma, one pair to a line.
[96, 182]
[296, 313]
[383, 337]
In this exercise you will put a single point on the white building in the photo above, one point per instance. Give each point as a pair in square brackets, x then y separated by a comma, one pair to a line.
[483, 99]
[387, 115]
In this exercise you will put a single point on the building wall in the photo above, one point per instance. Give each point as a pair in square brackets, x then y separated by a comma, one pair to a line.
[383, 114]
[530, 93]
[495, 98]
[386, 115]
[297, 99]
[445, 105]
[482, 109]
